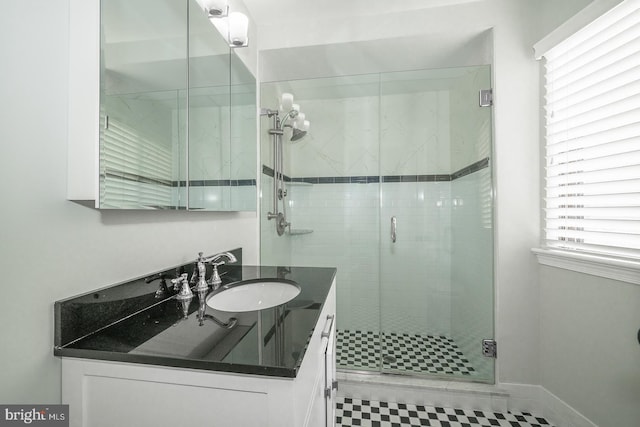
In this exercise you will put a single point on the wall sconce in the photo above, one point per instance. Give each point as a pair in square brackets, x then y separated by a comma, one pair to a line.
[234, 26]
[215, 8]
[238, 29]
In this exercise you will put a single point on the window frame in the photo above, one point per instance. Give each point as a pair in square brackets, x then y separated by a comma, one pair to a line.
[598, 264]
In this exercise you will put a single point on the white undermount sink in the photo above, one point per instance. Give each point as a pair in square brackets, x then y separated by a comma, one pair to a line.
[252, 295]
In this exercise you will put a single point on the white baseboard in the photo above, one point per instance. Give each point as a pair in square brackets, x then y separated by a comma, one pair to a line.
[419, 391]
[454, 394]
[564, 415]
[539, 400]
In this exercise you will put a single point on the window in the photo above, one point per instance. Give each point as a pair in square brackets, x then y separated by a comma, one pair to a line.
[592, 108]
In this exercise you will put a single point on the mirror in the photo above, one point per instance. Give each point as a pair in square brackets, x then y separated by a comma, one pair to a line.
[178, 111]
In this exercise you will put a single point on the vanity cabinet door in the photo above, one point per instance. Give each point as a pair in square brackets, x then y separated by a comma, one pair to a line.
[322, 406]
[330, 381]
[108, 394]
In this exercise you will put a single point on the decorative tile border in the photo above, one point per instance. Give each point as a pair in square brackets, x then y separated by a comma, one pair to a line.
[481, 164]
[219, 182]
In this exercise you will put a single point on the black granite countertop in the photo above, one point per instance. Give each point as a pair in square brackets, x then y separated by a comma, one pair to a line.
[129, 323]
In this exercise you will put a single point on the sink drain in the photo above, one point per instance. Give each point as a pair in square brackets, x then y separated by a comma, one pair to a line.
[388, 359]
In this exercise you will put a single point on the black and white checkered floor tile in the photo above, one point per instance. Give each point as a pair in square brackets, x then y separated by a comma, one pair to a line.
[405, 352]
[369, 413]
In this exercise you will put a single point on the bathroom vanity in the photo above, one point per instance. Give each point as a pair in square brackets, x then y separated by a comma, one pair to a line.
[132, 355]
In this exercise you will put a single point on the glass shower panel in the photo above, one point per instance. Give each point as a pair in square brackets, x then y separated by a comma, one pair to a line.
[435, 214]
[392, 185]
[332, 191]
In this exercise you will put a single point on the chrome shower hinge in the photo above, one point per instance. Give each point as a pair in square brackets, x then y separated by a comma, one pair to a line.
[486, 97]
[490, 348]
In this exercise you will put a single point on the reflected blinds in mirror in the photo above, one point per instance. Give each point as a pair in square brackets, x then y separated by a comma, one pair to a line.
[135, 172]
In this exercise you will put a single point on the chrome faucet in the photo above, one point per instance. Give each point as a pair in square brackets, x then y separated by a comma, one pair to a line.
[217, 260]
[202, 286]
[185, 292]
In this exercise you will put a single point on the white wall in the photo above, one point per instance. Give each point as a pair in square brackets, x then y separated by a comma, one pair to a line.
[590, 355]
[52, 248]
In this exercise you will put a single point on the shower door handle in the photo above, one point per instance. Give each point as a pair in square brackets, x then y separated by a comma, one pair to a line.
[394, 223]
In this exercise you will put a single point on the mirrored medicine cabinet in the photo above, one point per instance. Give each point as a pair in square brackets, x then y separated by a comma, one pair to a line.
[177, 111]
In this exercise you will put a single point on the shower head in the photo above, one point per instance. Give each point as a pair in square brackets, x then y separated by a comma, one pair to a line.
[299, 128]
[297, 134]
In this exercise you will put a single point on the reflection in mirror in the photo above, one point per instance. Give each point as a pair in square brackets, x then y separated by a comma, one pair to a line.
[222, 117]
[209, 110]
[243, 151]
[143, 91]
[173, 136]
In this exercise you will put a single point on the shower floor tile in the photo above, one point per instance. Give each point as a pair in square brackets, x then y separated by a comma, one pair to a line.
[370, 413]
[404, 352]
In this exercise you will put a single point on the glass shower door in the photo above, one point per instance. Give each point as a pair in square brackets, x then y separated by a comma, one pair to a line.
[436, 266]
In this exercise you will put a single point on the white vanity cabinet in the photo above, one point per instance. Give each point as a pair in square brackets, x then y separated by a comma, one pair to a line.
[106, 393]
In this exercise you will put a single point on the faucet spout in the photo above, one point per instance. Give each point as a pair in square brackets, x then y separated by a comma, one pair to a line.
[216, 260]
[218, 257]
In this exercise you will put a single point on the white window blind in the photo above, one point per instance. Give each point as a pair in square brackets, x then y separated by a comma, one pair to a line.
[135, 172]
[592, 199]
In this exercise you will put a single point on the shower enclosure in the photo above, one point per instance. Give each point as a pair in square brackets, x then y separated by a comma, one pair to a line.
[392, 185]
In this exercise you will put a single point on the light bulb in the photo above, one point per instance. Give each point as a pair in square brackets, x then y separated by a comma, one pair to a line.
[238, 29]
[215, 8]
[286, 102]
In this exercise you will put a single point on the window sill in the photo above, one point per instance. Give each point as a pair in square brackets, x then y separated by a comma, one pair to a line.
[596, 265]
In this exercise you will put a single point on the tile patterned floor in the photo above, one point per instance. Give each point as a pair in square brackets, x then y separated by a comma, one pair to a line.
[405, 352]
[369, 413]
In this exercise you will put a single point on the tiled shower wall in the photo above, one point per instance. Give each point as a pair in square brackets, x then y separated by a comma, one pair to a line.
[415, 270]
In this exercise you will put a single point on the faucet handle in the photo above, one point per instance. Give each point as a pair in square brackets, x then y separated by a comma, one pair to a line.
[185, 291]
[180, 280]
[216, 281]
[163, 289]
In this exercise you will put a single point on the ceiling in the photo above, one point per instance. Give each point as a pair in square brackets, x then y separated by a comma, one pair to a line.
[272, 12]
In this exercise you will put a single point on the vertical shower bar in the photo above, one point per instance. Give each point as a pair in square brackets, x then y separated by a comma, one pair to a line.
[279, 190]
[276, 137]
[276, 166]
